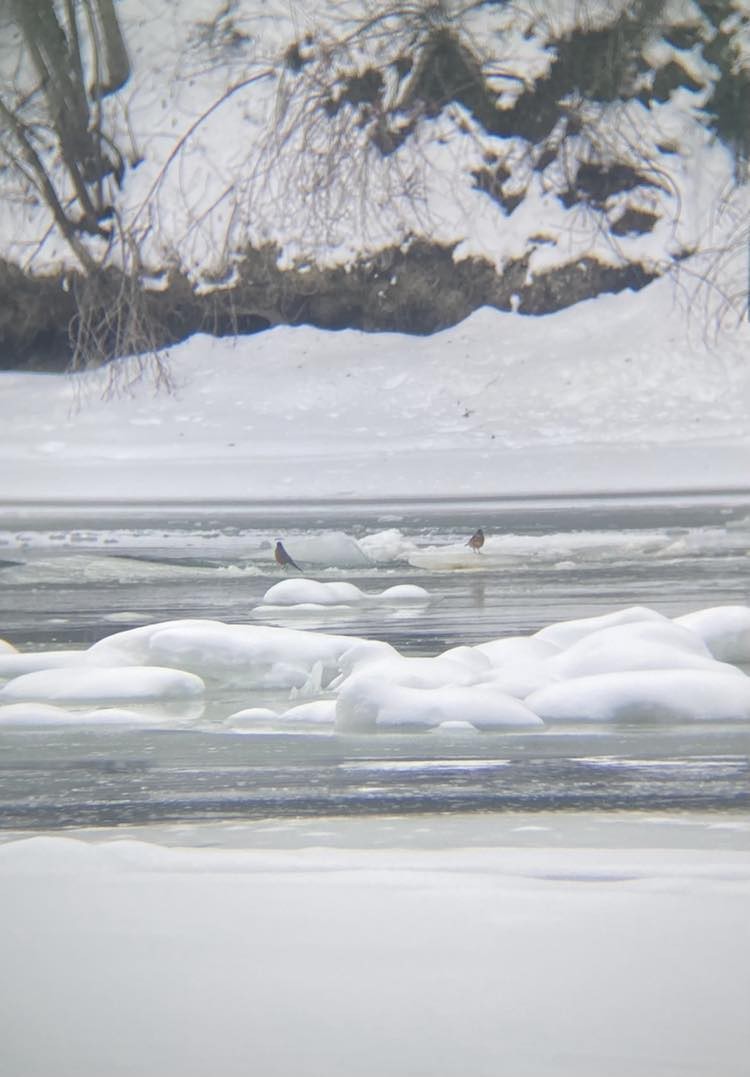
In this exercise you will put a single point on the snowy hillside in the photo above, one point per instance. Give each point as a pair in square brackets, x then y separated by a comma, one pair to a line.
[533, 137]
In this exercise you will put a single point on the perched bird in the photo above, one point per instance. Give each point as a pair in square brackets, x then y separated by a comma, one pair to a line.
[283, 558]
[477, 540]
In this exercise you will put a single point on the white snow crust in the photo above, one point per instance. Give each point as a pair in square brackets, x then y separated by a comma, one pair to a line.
[620, 393]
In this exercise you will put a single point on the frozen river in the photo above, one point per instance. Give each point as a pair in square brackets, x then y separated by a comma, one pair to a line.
[69, 578]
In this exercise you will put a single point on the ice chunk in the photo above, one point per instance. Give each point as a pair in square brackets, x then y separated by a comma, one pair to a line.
[42, 714]
[637, 646]
[317, 712]
[312, 593]
[13, 664]
[250, 718]
[244, 654]
[645, 696]
[724, 629]
[135, 684]
[564, 633]
[366, 703]
[335, 549]
[387, 546]
[515, 650]
[7, 648]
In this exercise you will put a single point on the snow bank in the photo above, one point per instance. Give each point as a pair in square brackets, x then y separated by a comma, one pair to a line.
[280, 958]
[612, 395]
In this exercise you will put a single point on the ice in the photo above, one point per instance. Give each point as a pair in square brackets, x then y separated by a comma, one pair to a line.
[313, 594]
[136, 684]
[645, 696]
[7, 648]
[251, 718]
[335, 549]
[254, 654]
[565, 633]
[724, 629]
[47, 714]
[629, 665]
[316, 712]
[423, 693]
[387, 546]
[519, 664]
[359, 962]
[13, 664]
[636, 646]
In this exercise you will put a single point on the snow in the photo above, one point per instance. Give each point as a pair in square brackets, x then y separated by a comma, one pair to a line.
[566, 633]
[639, 646]
[674, 695]
[544, 960]
[629, 665]
[367, 703]
[312, 593]
[136, 684]
[47, 714]
[14, 664]
[622, 393]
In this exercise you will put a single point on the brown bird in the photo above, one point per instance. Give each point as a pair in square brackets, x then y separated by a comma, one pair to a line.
[477, 540]
[283, 558]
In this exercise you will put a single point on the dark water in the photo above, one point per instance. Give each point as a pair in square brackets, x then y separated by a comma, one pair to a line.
[67, 580]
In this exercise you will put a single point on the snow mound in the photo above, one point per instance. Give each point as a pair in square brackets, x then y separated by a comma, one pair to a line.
[244, 654]
[426, 692]
[15, 664]
[518, 664]
[7, 648]
[384, 547]
[250, 718]
[564, 633]
[318, 712]
[640, 645]
[312, 593]
[135, 684]
[645, 696]
[724, 629]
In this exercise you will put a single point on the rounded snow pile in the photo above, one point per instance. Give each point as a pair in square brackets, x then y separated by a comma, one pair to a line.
[633, 665]
[131, 684]
[246, 654]
[312, 593]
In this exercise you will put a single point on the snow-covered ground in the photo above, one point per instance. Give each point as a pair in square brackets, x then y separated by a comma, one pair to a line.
[620, 393]
[558, 948]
